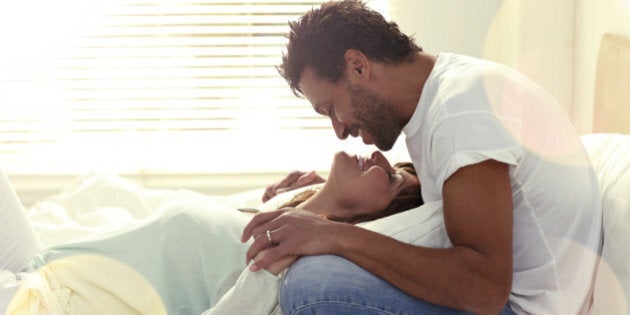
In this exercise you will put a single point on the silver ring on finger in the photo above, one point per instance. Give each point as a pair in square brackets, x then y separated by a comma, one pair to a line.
[269, 236]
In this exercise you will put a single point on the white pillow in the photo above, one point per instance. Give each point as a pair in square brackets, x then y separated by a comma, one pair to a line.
[610, 154]
[422, 226]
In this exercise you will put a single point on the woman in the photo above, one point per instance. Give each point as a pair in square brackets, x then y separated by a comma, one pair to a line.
[181, 262]
[358, 189]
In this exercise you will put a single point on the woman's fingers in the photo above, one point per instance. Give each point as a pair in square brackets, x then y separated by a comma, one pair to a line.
[293, 180]
[308, 179]
[273, 189]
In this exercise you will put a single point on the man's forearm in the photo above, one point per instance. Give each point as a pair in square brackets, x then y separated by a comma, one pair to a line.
[456, 277]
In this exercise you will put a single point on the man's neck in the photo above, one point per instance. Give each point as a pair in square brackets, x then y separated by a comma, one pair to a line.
[402, 84]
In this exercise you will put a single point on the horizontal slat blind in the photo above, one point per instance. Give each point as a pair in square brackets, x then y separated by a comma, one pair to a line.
[155, 86]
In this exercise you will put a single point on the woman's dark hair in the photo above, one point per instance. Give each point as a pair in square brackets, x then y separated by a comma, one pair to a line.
[320, 38]
[407, 199]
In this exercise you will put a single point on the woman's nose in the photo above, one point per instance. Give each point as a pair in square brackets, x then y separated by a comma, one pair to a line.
[379, 159]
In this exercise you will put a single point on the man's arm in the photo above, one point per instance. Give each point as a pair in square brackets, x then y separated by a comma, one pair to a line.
[474, 275]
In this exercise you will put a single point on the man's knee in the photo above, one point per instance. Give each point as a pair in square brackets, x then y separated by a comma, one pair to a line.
[330, 284]
[316, 273]
[323, 282]
[314, 279]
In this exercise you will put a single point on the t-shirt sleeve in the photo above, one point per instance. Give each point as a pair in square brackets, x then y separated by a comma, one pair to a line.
[470, 138]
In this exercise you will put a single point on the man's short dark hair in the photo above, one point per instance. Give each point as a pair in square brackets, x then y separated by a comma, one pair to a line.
[320, 38]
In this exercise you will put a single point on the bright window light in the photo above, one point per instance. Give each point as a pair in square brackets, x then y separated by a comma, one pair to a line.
[154, 87]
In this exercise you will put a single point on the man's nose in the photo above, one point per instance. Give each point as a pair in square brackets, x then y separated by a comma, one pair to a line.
[341, 130]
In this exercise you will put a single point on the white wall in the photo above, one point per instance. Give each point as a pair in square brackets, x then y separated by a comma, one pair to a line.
[459, 26]
[534, 36]
[593, 19]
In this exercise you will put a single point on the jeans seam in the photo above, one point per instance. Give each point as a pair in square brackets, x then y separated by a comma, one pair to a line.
[372, 308]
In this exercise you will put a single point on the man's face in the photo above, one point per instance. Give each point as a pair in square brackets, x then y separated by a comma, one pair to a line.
[353, 110]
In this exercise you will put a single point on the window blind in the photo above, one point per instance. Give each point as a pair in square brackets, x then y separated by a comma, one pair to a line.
[153, 86]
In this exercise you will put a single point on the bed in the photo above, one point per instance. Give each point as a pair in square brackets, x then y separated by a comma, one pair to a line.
[97, 204]
[609, 148]
[94, 204]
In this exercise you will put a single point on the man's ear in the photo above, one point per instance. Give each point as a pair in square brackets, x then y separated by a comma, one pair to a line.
[357, 65]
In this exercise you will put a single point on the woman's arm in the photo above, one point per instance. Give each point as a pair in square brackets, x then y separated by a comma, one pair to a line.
[293, 180]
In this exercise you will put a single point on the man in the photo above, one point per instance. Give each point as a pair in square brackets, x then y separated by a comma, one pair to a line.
[520, 200]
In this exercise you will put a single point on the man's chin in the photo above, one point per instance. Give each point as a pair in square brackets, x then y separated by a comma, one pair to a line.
[384, 147]
[386, 143]
[381, 143]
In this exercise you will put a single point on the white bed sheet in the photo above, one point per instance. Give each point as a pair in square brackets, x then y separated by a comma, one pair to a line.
[100, 204]
[103, 204]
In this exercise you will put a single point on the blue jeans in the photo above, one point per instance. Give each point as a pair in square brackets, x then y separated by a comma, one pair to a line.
[333, 285]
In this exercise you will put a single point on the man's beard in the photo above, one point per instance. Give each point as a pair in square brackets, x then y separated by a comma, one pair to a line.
[375, 116]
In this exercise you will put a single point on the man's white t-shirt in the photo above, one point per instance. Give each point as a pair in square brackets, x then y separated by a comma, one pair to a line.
[473, 110]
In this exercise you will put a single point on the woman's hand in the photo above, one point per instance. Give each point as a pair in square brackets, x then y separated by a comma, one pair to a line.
[293, 180]
[292, 233]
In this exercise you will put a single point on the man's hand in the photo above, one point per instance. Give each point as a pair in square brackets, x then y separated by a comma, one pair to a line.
[279, 265]
[293, 180]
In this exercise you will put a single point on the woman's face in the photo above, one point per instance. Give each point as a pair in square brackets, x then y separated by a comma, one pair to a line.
[366, 184]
